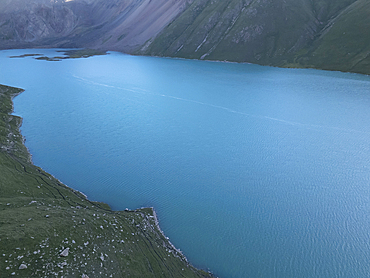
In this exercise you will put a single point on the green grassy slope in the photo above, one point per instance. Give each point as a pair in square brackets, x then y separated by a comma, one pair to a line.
[327, 34]
[345, 42]
[40, 217]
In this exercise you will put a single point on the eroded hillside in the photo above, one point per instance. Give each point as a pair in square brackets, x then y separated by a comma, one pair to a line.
[327, 34]
[121, 25]
[301, 33]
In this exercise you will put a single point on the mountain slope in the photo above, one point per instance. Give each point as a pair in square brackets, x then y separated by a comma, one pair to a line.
[344, 43]
[110, 24]
[253, 31]
[327, 34]
[270, 32]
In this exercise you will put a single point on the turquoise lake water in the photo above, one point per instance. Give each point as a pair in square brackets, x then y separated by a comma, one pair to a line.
[254, 171]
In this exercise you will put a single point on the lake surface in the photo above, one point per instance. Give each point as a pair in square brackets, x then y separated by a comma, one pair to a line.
[254, 171]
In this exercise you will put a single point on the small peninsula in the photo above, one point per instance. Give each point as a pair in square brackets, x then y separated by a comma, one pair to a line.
[67, 54]
[50, 230]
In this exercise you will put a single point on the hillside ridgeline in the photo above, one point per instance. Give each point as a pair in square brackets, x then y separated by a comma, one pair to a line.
[325, 34]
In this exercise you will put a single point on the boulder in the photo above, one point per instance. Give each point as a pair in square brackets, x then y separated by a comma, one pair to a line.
[22, 266]
[64, 253]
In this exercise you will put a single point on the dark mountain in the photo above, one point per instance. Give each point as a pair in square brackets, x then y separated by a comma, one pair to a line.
[327, 34]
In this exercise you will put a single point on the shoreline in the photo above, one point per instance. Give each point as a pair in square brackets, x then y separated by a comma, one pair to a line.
[48, 216]
[161, 231]
[76, 53]
[288, 66]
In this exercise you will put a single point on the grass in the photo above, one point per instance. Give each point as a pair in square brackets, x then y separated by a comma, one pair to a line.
[40, 217]
[25, 55]
[68, 54]
[82, 53]
[324, 34]
[234, 30]
[345, 44]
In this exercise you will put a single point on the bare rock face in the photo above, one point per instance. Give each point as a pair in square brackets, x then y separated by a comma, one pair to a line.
[121, 25]
[35, 23]
[137, 21]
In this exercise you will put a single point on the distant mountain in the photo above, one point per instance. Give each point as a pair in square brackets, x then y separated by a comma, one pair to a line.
[122, 25]
[326, 34]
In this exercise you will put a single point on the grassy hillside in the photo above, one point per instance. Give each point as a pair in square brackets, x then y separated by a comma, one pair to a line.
[40, 218]
[327, 34]
[344, 43]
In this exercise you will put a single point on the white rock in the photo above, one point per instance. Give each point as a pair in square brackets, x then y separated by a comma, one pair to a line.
[64, 253]
[22, 266]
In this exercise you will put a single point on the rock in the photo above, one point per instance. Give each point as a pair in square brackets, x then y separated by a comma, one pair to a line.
[64, 253]
[63, 264]
[84, 276]
[22, 266]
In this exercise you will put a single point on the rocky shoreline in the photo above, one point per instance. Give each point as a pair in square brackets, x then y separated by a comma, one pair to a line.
[48, 229]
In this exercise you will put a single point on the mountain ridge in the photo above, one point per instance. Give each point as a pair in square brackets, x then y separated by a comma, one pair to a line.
[278, 33]
[324, 34]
